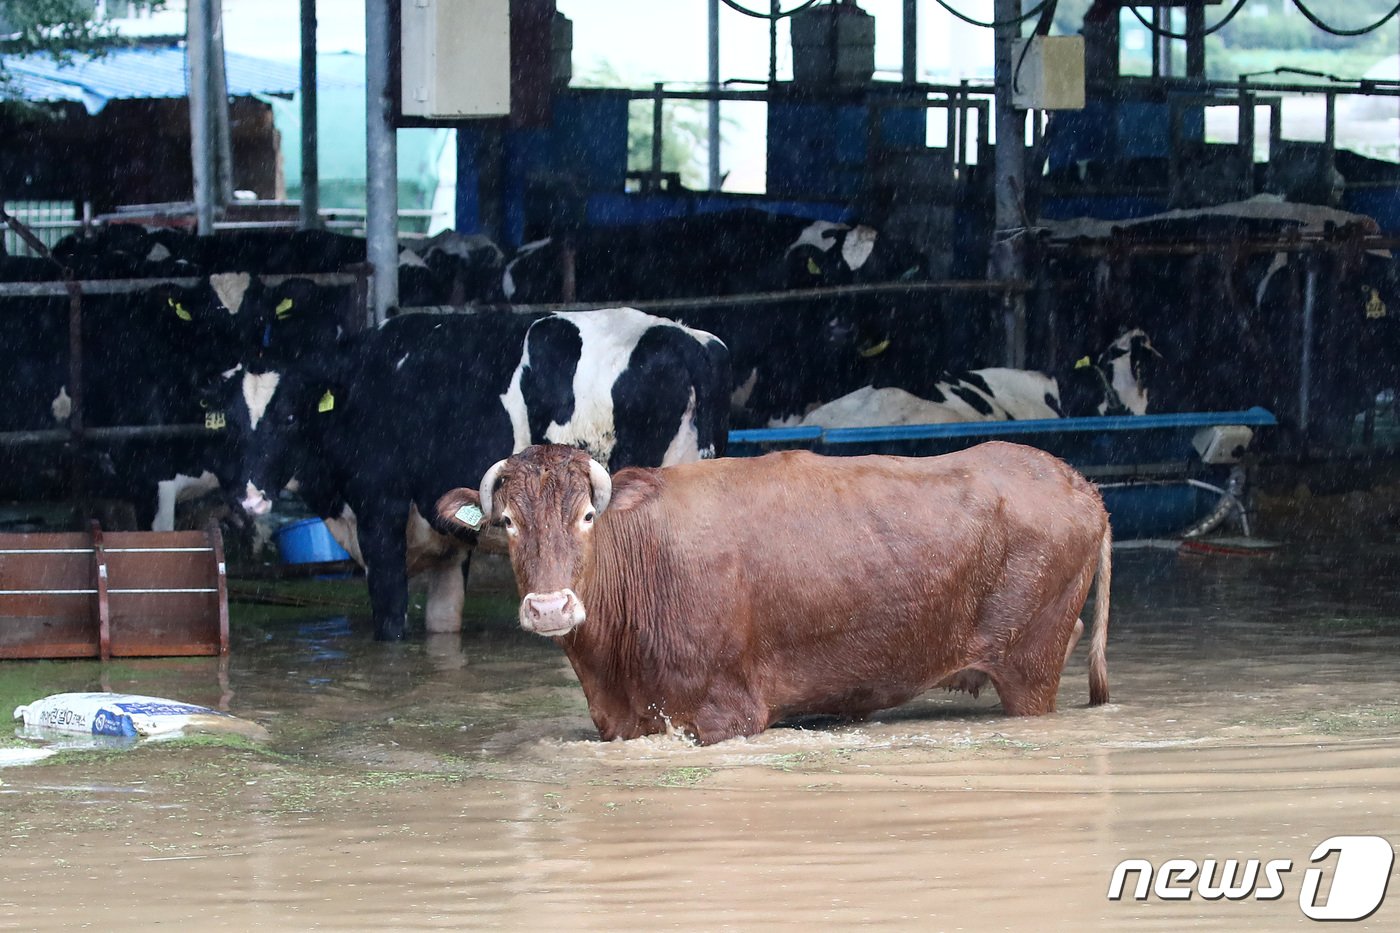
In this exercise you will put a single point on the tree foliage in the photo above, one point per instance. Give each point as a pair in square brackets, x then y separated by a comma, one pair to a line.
[1282, 27]
[61, 28]
[56, 27]
[1265, 34]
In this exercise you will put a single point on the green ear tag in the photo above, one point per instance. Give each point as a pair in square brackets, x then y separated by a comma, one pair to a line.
[813, 268]
[283, 308]
[215, 421]
[1082, 363]
[875, 349]
[181, 313]
[1375, 308]
[470, 515]
[326, 403]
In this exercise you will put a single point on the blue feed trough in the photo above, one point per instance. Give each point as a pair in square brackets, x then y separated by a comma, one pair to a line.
[1147, 466]
[308, 541]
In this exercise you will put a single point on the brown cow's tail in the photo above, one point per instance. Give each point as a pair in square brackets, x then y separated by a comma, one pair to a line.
[1098, 643]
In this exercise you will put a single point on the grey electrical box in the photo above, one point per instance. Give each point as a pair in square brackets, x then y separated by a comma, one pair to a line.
[455, 58]
[833, 44]
[1049, 75]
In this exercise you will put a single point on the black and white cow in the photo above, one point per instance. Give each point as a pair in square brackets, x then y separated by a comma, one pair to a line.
[1117, 383]
[377, 429]
[146, 356]
[725, 253]
[450, 268]
[1232, 319]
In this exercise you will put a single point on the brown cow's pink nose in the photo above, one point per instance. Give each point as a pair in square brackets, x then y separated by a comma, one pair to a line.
[551, 614]
[550, 604]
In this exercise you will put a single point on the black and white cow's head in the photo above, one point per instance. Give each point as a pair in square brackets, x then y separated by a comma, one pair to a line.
[465, 267]
[1131, 362]
[273, 416]
[276, 400]
[827, 254]
[1117, 382]
[205, 327]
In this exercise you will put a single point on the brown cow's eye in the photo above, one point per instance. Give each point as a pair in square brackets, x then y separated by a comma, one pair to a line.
[588, 517]
[503, 521]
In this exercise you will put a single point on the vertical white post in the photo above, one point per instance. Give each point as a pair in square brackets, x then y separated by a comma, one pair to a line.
[309, 215]
[199, 26]
[381, 145]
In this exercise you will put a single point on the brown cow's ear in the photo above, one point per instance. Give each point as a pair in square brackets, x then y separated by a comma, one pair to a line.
[633, 487]
[459, 511]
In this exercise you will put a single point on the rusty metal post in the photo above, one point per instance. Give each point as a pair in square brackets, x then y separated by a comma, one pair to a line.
[104, 605]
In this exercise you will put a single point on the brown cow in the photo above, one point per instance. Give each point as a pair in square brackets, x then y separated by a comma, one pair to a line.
[723, 596]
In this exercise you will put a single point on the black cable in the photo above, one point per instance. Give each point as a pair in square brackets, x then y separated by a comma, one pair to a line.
[1042, 28]
[781, 14]
[1345, 32]
[1167, 33]
[1030, 14]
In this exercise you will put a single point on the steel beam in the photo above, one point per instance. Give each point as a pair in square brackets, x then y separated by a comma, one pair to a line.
[381, 156]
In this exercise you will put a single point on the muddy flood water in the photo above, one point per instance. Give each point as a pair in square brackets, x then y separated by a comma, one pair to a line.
[457, 783]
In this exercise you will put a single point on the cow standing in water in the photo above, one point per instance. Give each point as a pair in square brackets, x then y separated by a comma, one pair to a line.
[717, 598]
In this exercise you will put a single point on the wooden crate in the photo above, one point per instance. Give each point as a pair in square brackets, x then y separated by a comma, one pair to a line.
[113, 594]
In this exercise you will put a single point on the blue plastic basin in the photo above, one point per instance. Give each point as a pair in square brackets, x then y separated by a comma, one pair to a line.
[308, 541]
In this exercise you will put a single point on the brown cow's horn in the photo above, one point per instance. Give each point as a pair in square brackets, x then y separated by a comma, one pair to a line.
[488, 483]
[602, 485]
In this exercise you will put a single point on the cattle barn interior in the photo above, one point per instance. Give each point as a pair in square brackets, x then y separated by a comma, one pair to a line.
[268, 360]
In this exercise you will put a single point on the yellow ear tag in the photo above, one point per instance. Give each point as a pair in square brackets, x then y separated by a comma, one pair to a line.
[876, 350]
[1083, 363]
[181, 313]
[1375, 308]
[215, 421]
[812, 267]
[326, 403]
[470, 515]
[283, 307]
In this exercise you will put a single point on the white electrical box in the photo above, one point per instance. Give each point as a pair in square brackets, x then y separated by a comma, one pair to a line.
[455, 58]
[1224, 443]
[1050, 74]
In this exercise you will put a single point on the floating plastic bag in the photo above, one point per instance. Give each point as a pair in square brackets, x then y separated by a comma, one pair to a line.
[123, 715]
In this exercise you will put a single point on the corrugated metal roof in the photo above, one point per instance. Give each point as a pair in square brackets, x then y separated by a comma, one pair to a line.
[143, 73]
